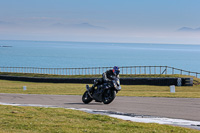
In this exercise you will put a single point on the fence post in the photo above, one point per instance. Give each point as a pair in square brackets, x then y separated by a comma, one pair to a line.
[160, 69]
[149, 69]
[135, 70]
[131, 70]
[166, 70]
[140, 70]
[75, 70]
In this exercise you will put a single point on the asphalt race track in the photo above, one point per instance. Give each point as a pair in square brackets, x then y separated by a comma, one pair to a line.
[182, 108]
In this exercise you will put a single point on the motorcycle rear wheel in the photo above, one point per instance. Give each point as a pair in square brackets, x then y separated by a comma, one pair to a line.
[86, 98]
[108, 96]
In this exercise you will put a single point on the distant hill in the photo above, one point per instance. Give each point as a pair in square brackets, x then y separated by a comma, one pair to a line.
[88, 26]
[78, 26]
[188, 29]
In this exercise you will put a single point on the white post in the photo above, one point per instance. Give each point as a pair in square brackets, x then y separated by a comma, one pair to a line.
[24, 88]
[172, 88]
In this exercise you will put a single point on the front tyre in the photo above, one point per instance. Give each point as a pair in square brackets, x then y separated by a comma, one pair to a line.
[108, 96]
[86, 98]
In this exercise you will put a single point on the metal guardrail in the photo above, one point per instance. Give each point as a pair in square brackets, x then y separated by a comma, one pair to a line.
[100, 70]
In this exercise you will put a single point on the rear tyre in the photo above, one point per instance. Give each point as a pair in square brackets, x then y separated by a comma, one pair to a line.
[108, 96]
[86, 98]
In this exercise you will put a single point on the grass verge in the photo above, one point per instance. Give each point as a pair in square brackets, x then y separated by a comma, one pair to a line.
[35, 119]
[78, 89]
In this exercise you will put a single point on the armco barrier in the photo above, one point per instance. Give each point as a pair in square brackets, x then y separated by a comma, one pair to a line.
[124, 81]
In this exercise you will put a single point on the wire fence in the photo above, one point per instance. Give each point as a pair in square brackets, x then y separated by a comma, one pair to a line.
[99, 70]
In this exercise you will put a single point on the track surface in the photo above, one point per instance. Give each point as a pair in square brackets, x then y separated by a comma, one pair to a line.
[183, 108]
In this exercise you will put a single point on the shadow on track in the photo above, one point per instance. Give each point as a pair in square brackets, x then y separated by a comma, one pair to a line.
[84, 104]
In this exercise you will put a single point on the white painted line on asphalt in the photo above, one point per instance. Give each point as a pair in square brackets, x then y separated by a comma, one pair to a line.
[146, 119]
[124, 116]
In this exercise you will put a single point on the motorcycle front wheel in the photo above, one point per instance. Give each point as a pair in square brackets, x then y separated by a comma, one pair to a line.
[108, 96]
[86, 98]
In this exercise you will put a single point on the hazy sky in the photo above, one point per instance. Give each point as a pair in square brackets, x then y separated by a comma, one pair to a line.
[148, 21]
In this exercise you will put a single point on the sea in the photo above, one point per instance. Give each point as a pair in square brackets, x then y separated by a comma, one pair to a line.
[61, 54]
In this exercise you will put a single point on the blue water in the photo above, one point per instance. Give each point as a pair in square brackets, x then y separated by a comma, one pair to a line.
[49, 54]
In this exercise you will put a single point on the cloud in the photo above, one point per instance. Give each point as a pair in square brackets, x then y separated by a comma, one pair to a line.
[4, 23]
[188, 29]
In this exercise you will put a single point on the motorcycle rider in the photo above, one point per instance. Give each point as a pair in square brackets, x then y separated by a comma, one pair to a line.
[107, 76]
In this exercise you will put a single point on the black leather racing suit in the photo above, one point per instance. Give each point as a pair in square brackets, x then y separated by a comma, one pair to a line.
[109, 75]
[106, 77]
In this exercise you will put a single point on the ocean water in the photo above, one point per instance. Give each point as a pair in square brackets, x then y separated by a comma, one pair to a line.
[49, 54]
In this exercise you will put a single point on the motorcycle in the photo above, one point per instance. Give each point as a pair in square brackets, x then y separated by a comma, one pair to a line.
[105, 92]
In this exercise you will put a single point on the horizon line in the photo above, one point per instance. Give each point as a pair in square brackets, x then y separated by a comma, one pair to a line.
[102, 42]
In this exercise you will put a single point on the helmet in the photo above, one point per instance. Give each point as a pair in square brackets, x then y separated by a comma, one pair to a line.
[116, 70]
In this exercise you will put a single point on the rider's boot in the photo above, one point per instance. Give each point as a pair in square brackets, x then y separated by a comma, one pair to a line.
[89, 89]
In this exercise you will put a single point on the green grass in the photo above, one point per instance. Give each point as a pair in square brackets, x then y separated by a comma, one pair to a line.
[41, 88]
[160, 91]
[78, 89]
[35, 119]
